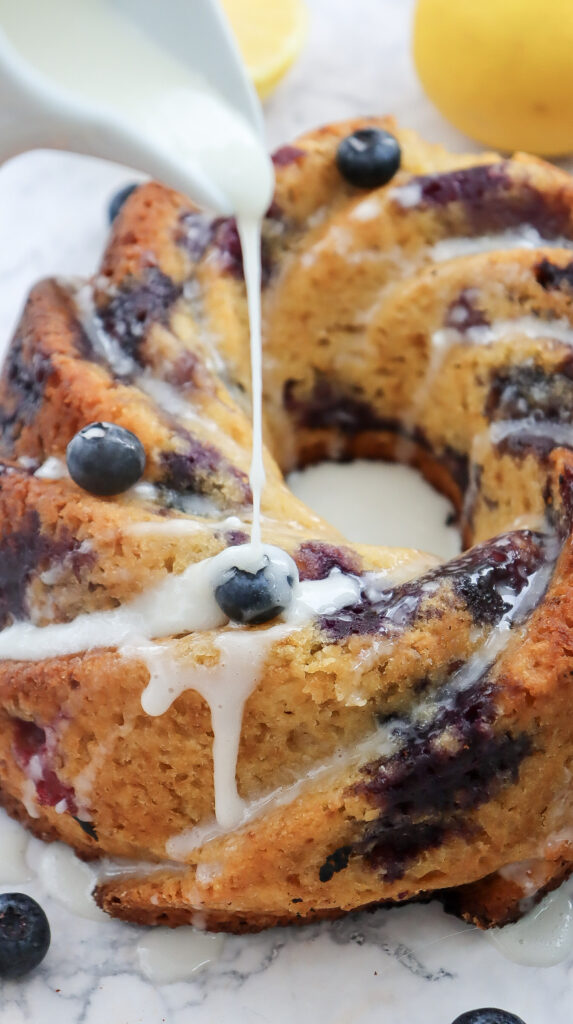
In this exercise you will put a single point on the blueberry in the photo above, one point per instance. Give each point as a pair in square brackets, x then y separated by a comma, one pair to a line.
[368, 158]
[24, 934]
[488, 1015]
[105, 459]
[254, 597]
[118, 199]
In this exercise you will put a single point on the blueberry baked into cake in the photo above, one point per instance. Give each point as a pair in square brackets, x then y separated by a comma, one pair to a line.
[380, 727]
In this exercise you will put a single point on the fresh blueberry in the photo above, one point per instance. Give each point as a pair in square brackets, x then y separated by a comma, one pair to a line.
[118, 199]
[105, 459]
[488, 1015]
[254, 597]
[368, 158]
[24, 934]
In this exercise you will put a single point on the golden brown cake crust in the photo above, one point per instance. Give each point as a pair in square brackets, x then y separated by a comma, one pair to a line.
[425, 321]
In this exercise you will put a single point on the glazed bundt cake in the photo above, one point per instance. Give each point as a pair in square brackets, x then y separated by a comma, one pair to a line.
[402, 730]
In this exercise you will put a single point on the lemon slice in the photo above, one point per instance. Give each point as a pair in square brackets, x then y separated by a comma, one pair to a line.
[270, 34]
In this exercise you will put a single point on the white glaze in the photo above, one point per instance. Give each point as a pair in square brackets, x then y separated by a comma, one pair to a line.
[103, 343]
[176, 403]
[13, 844]
[338, 239]
[494, 434]
[181, 603]
[526, 874]
[144, 491]
[61, 874]
[52, 469]
[367, 209]
[385, 740]
[69, 880]
[379, 503]
[162, 610]
[523, 237]
[191, 504]
[61, 566]
[227, 685]
[407, 196]
[512, 331]
[523, 326]
[559, 433]
[250, 235]
[504, 330]
[380, 743]
[166, 956]
[168, 398]
[171, 399]
[544, 936]
[28, 798]
[109, 869]
[181, 527]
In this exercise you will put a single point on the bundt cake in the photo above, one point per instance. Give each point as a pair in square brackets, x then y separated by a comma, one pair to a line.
[401, 729]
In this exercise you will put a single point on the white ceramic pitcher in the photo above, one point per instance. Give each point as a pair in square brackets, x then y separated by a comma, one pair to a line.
[37, 110]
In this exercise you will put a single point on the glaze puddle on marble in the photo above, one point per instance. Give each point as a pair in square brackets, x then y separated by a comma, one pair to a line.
[65, 878]
[60, 879]
[544, 937]
[167, 955]
[13, 843]
[379, 503]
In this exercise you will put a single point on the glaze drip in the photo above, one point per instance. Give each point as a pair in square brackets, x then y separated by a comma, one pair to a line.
[438, 745]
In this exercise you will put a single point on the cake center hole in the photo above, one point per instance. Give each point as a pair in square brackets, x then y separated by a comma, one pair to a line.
[379, 503]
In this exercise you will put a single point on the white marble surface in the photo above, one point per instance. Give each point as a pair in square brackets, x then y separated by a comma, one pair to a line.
[412, 966]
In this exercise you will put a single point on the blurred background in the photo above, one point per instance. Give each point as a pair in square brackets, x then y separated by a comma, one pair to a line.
[357, 59]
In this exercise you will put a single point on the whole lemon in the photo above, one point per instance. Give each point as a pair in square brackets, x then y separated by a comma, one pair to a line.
[500, 70]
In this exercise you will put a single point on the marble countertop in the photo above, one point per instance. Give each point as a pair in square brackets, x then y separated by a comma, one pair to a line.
[408, 966]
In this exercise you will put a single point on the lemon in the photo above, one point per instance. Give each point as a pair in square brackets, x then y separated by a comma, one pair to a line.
[270, 34]
[500, 70]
